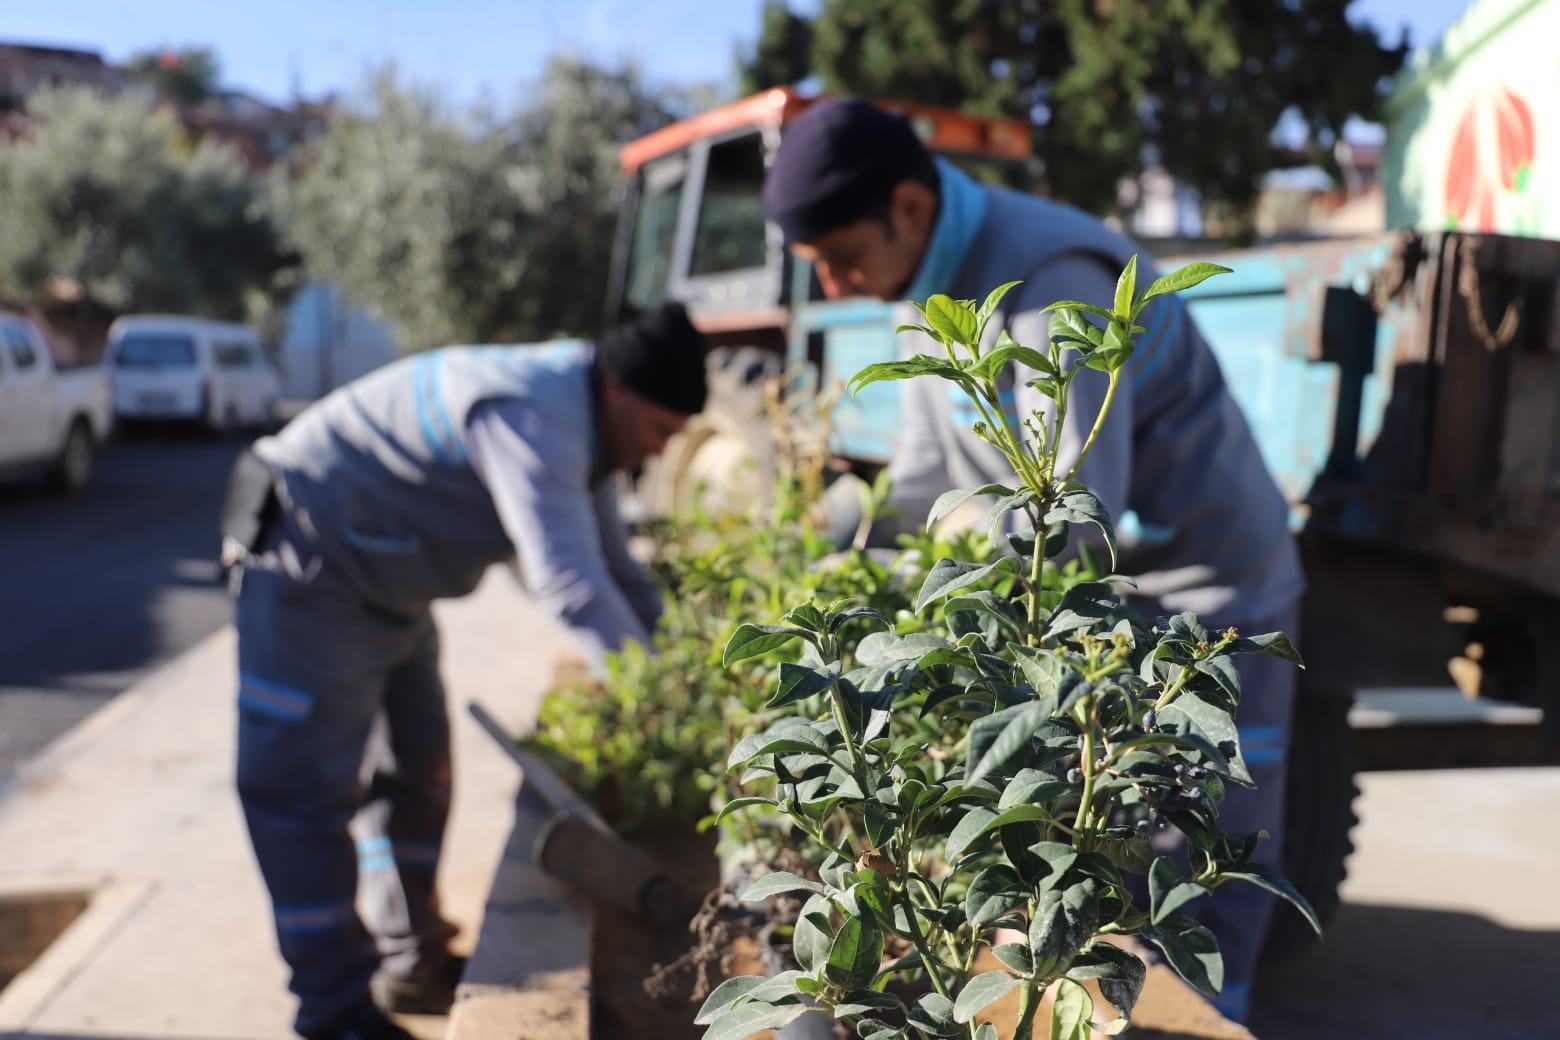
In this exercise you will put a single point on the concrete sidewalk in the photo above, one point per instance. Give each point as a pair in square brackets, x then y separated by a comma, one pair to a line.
[137, 806]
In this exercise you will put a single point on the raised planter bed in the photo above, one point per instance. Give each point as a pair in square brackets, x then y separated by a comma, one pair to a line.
[549, 965]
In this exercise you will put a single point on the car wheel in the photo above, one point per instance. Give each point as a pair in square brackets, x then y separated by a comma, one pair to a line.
[74, 468]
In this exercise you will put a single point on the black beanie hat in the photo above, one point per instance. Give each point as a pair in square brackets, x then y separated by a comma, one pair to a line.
[659, 356]
[838, 160]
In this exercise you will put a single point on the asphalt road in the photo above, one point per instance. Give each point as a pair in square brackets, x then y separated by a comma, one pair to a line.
[96, 591]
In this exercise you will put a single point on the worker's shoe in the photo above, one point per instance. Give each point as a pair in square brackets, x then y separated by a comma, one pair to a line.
[429, 993]
[364, 1022]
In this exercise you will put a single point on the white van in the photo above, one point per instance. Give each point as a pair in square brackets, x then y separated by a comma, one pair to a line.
[209, 372]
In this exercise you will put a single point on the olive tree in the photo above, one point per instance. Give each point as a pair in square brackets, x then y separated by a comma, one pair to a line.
[475, 225]
[108, 193]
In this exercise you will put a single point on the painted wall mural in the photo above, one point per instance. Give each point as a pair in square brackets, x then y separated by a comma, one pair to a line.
[1489, 168]
[1473, 126]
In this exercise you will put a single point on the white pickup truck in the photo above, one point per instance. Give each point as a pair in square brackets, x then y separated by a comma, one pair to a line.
[51, 420]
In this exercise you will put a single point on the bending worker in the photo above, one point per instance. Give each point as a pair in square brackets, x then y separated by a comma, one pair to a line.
[399, 489]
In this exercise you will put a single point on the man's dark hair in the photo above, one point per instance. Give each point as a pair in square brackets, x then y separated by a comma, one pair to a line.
[839, 162]
[659, 355]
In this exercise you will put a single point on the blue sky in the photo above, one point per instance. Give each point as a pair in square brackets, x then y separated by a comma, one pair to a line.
[469, 47]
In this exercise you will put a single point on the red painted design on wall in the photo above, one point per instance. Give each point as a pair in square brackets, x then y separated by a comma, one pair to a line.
[1491, 155]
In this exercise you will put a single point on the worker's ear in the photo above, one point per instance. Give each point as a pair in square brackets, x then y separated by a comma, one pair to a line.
[612, 391]
[914, 207]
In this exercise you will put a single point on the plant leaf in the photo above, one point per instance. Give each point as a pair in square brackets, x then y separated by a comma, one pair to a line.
[989, 306]
[1064, 920]
[1021, 814]
[981, 992]
[866, 1001]
[776, 988]
[806, 616]
[951, 319]
[1120, 974]
[788, 735]
[1168, 891]
[756, 640]
[798, 682]
[745, 1020]
[989, 604]
[1016, 956]
[1132, 854]
[1222, 671]
[741, 803]
[996, 738]
[814, 935]
[1266, 877]
[949, 576]
[724, 995]
[1047, 673]
[949, 501]
[1187, 277]
[855, 953]
[1079, 305]
[933, 1015]
[870, 1029]
[990, 365]
[1002, 507]
[1126, 288]
[1275, 643]
[995, 893]
[1087, 604]
[1082, 506]
[1195, 714]
[970, 827]
[850, 614]
[778, 883]
[1083, 336]
[886, 648]
[1071, 1009]
[921, 365]
[1191, 950]
[1031, 785]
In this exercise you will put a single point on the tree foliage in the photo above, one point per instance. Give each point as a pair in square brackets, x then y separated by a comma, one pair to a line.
[1199, 84]
[475, 225]
[186, 77]
[782, 55]
[108, 193]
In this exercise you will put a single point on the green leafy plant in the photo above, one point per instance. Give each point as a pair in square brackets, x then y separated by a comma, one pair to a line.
[1067, 735]
[648, 741]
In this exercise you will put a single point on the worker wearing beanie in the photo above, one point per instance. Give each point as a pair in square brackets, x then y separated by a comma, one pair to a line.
[1202, 526]
[399, 489]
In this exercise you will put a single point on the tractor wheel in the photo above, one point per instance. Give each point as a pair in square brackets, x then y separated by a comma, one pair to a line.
[1319, 817]
[722, 459]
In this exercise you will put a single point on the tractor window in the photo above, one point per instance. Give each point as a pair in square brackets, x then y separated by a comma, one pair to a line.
[730, 231]
[655, 227]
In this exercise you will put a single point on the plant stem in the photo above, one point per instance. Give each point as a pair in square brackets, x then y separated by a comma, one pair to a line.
[858, 762]
[1086, 806]
[1028, 1004]
[1036, 563]
[923, 948]
[1099, 424]
[1014, 446]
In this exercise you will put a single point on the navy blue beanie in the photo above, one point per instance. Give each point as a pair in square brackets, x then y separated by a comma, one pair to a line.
[659, 356]
[838, 161]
